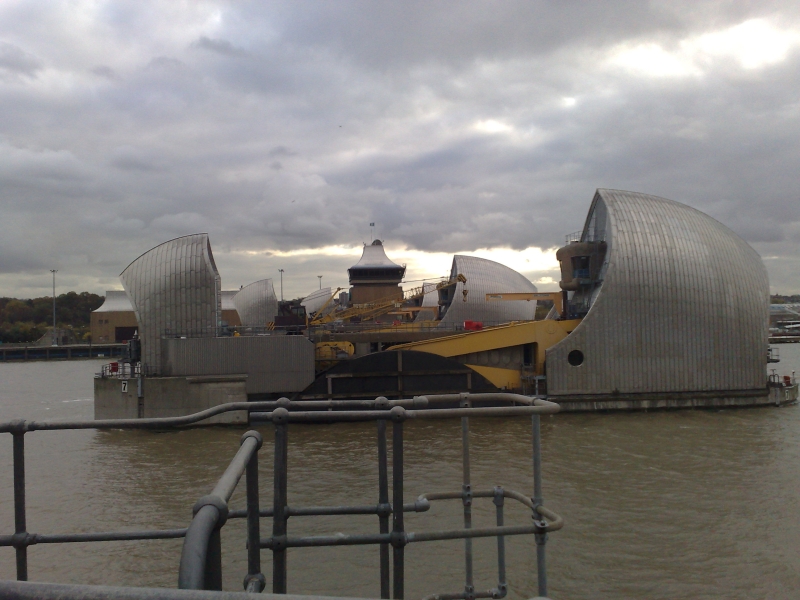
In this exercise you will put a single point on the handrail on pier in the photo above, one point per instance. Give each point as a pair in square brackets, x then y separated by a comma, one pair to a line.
[201, 564]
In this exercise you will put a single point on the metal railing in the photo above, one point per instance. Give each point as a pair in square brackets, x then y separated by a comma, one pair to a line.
[348, 327]
[590, 236]
[201, 564]
[775, 379]
[773, 354]
[121, 370]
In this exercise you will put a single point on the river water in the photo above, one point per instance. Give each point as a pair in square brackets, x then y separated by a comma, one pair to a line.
[684, 504]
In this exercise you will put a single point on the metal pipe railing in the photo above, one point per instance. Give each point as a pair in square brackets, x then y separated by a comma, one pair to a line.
[23, 590]
[201, 558]
[397, 536]
[384, 508]
[200, 566]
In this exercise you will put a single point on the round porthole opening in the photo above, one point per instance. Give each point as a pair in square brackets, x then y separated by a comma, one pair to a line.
[575, 358]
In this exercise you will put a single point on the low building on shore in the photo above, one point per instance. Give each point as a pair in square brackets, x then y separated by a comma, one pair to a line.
[114, 320]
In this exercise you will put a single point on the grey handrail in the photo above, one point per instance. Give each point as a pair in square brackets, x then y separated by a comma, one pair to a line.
[200, 566]
[544, 406]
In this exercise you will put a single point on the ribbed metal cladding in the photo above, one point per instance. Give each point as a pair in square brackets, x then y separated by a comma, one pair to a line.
[277, 363]
[430, 303]
[683, 306]
[256, 303]
[174, 290]
[487, 277]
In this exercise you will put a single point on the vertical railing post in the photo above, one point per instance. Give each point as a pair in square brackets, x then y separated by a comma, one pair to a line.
[254, 581]
[499, 501]
[20, 526]
[383, 502]
[213, 568]
[466, 498]
[398, 532]
[280, 418]
[541, 538]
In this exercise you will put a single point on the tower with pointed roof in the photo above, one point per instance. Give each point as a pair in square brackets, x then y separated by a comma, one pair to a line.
[375, 277]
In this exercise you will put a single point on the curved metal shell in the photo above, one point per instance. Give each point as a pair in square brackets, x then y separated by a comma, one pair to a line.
[682, 305]
[316, 299]
[116, 301]
[430, 303]
[174, 289]
[227, 299]
[256, 303]
[487, 277]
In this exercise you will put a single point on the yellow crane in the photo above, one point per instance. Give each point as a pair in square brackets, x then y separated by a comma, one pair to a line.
[556, 297]
[321, 310]
[369, 310]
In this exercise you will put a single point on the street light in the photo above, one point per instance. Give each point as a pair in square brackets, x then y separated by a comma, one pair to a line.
[281, 270]
[55, 335]
[320, 281]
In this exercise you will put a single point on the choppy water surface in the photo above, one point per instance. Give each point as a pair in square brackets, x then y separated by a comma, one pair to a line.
[687, 504]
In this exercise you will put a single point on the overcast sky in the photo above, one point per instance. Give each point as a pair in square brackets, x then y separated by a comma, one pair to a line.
[284, 128]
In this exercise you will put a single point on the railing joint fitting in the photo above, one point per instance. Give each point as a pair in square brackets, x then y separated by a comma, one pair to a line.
[500, 591]
[382, 403]
[259, 581]
[384, 509]
[398, 414]
[280, 416]
[18, 427]
[398, 539]
[23, 539]
[499, 496]
[255, 435]
[422, 504]
[216, 502]
[277, 542]
[284, 402]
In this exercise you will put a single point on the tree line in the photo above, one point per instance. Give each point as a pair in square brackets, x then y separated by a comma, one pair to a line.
[26, 320]
[779, 299]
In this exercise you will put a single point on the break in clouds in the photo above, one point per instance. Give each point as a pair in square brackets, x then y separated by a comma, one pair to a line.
[284, 129]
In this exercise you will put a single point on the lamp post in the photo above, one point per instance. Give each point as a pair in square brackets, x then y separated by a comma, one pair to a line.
[320, 281]
[281, 270]
[55, 334]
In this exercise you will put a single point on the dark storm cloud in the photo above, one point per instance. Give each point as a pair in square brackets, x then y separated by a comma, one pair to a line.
[454, 126]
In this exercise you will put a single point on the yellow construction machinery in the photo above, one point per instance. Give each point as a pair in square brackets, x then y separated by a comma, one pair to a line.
[505, 355]
[321, 310]
[557, 298]
[370, 310]
[327, 354]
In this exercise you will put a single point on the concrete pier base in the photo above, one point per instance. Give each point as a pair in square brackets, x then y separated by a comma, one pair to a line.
[118, 398]
[766, 396]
